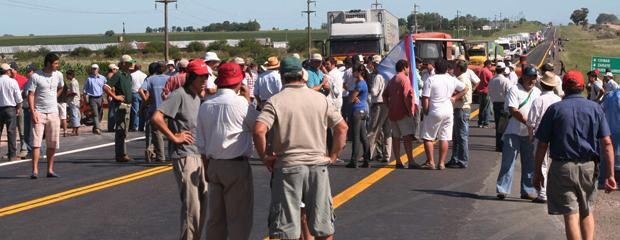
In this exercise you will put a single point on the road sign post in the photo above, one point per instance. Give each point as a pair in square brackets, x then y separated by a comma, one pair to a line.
[604, 63]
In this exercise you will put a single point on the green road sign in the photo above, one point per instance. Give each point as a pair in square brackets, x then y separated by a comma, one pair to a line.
[603, 63]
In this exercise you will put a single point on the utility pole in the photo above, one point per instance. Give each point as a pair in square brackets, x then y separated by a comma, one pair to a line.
[500, 19]
[376, 5]
[458, 24]
[166, 42]
[308, 12]
[415, 17]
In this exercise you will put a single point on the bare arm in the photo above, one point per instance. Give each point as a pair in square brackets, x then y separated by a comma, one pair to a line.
[260, 143]
[340, 139]
[110, 93]
[144, 94]
[517, 115]
[425, 105]
[459, 95]
[541, 151]
[608, 153]
[178, 138]
[35, 115]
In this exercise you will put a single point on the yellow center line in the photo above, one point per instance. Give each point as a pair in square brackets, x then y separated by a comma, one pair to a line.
[81, 191]
[338, 200]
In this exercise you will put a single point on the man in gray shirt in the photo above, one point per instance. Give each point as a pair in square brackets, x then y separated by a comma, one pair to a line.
[181, 110]
[45, 86]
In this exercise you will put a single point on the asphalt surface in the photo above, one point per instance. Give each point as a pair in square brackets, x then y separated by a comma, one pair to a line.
[405, 204]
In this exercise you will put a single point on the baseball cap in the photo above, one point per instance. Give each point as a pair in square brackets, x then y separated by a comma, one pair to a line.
[290, 64]
[126, 58]
[229, 74]
[5, 67]
[609, 74]
[500, 65]
[94, 66]
[573, 79]
[530, 71]
[296, 55]
[239, 61]
[113, 66]
[198, 67]
[183, 63]
[316, 57]
[170, 62]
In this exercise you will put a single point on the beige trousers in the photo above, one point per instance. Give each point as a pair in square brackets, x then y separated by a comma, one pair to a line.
[190, 175]
[231, 200]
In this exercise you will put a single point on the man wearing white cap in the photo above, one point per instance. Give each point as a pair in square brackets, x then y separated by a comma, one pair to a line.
[171, 68]
[212, 61]
[609, 85]
[379, 129]
[137, 79]
[93, 90]
[119, 89]
[112, 69]
[10, 106]
[316, 77]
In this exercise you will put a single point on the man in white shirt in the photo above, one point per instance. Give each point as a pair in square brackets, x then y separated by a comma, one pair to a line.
[437, 98]
[137, 79]
[515, 140]
[512, 75]
[224, 139]
[498, 88]
[45, 86]
[336, 82]
[548, 67]
[10, 107]
[379, 136]
[539, 107]
[268, 82]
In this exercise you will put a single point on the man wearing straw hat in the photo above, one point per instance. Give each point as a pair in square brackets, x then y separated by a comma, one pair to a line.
[269, 82]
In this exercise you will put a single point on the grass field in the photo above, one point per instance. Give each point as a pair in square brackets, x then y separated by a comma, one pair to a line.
[582, 45]
[144, 37]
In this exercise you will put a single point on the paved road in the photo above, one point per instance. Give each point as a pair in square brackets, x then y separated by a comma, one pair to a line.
[391, 204]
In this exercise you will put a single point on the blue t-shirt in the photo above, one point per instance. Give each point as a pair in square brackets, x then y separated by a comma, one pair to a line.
[315, 77]
[573, 128]
[362, 88]
[155, 85]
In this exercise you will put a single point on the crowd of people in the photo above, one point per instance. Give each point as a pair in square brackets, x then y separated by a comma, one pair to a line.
[297, 116]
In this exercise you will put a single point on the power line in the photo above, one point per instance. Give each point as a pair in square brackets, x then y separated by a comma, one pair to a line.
[40, 7]
[376, 5]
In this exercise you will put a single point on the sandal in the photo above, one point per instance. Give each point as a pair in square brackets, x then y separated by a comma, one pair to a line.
[427, 166]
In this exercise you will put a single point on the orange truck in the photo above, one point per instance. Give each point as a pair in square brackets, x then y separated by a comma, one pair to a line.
[431, 46]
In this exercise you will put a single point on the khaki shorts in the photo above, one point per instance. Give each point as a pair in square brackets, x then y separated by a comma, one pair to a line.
[49, 125]
[62, 111]
[404, 127]
[290, 187]
[571, 187]
[437, 127]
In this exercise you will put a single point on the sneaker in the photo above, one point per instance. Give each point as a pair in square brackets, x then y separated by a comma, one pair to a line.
[52, 175]
[527, 197]
[501, 196]
[539, 200]
[124, 159]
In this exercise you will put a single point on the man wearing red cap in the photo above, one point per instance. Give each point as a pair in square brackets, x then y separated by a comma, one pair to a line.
[224, 139]
[575, 130]
[181, 110]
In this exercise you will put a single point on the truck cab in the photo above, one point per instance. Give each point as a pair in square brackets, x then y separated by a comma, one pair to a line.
[433, 46]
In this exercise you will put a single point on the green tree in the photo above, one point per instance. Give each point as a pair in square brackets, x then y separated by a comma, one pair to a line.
[606, 18]
[81, 52]
[220, 45]
[580, 16]
[196, 47]
[112, 51]
[109, 33]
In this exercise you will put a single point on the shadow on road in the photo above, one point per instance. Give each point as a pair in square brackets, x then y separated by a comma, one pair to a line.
[456, 194]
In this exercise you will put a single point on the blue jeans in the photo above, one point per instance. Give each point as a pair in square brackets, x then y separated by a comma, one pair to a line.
[135, 108]
[513, 146]
[26, 142]
[111, 112]
[460, 137]
[74, 115]
[485, 110]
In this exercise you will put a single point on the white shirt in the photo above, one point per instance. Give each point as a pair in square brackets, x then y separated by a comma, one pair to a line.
[210, 83]
[224, 129]
[268, 84]
[498, 88]
[539, 107]
[514, 79]
[517, 95]
[336, 81]
[45, 87]
[471, 76]
[439, 89]
[137, 79]
[10, 95]
[378, 86]
[349, 81]
[595, 88]
[425, 74]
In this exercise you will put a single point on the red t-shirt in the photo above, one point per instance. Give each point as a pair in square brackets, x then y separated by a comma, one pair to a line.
[397, 92]
[21, 81]
[485, 76]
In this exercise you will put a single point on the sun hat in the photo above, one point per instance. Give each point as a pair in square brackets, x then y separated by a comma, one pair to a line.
[549, 79]
[272, 63]
[211, 56]
[229, 74]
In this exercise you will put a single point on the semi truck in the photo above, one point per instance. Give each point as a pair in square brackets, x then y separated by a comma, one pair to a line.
[365, 32]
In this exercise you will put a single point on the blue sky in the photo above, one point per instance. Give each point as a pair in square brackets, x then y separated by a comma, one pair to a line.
[51, 17]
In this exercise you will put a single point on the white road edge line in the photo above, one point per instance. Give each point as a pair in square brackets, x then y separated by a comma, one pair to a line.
[72, 151]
